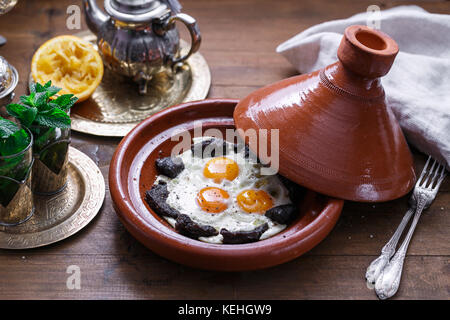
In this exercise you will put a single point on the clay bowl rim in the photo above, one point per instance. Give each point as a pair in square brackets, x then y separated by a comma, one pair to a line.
[159, 237]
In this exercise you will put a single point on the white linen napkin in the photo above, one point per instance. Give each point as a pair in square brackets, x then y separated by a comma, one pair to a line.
[418, 85]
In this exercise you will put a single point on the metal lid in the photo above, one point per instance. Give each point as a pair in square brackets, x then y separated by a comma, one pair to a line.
[136, 11]
[8, 77]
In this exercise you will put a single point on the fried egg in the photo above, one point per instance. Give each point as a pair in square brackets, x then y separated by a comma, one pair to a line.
[226, 191]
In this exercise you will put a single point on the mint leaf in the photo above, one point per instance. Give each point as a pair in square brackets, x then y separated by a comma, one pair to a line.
[39, 87]
[40, 98]
[65, 101]
[47, 88]
[28, 100]
[55, 118]
[12, 138]
[52, 90]
[15, 143]
[7, 128]
[40, 108]
[41, 137]
[31, 87]
[25, 114]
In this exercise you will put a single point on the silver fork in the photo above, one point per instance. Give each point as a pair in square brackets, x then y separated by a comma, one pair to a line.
[377, 265]
[424, 193]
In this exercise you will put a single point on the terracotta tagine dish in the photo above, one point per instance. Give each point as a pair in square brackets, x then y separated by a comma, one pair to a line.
[133, 171]
[337, 136]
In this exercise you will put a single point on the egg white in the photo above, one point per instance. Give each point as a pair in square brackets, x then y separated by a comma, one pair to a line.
[184, 188]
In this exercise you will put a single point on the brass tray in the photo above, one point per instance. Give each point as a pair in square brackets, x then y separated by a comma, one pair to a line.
[116, 107]
[59, 216]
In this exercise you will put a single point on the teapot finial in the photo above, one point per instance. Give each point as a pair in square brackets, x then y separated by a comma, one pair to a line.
[94, 16]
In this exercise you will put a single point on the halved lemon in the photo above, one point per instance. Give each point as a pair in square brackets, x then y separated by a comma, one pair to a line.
[70, 63]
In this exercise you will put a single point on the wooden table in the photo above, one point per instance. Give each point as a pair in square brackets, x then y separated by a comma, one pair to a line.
[239, 41]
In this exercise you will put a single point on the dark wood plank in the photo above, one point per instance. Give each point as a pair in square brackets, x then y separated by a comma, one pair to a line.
[145, 277]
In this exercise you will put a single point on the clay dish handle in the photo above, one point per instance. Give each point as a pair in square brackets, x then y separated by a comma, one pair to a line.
[367, 52]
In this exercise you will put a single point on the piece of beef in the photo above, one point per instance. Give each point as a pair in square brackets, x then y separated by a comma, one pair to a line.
[295, 191]
[207, 148]
[283, 214]
[243, 236]
[156, 198]
[191, 229]
[170, 167]
[238, 147]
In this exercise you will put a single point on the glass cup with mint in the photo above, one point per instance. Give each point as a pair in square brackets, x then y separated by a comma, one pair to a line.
[16, 161]
[46, 115]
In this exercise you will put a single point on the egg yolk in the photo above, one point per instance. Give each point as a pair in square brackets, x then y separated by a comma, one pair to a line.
[212, 199]
[254, 201]
[221, 168]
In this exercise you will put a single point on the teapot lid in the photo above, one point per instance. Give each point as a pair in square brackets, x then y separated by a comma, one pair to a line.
[136, 11]
[8, 77]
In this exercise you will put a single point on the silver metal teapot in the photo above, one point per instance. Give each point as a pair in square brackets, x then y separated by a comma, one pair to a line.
[138, 38]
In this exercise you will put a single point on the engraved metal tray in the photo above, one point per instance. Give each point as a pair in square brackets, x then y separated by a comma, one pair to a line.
[116, 107]
[59, 216]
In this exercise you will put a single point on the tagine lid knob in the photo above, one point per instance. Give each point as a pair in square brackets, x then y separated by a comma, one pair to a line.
[366, 51]
[8, 77]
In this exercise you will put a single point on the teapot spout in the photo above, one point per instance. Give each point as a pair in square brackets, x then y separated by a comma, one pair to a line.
[94, 16]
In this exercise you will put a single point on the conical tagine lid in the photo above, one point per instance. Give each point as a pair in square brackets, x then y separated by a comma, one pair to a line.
[335, 133]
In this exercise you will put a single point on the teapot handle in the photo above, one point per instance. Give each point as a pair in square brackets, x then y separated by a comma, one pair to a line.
[194, 31]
